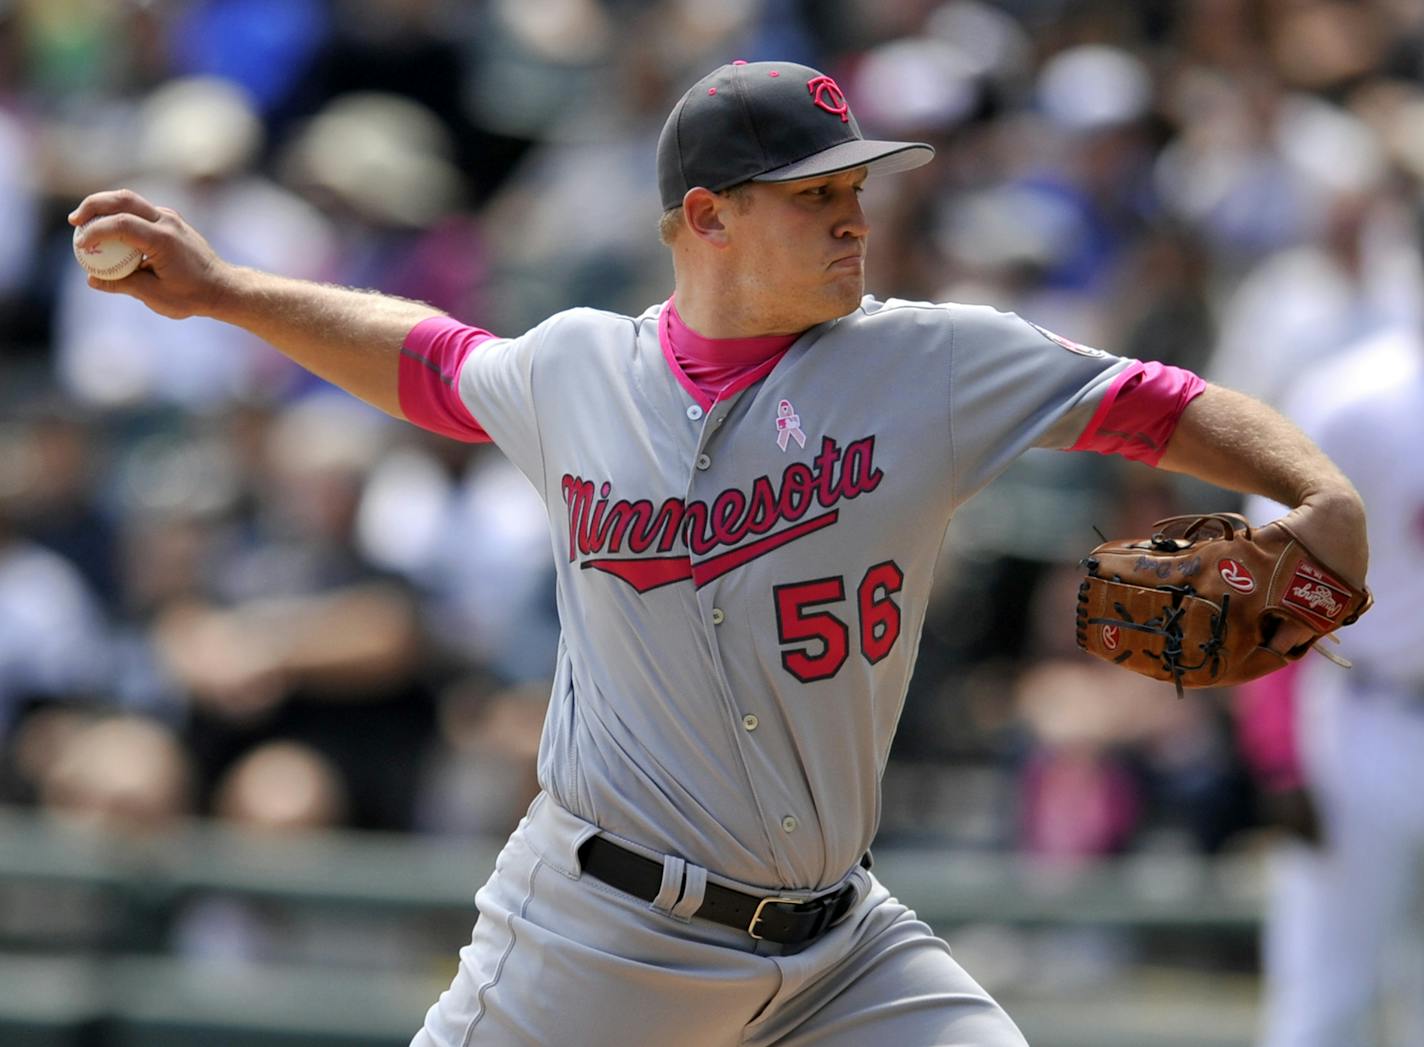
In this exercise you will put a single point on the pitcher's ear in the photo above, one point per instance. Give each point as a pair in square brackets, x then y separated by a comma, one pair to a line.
[702, 213]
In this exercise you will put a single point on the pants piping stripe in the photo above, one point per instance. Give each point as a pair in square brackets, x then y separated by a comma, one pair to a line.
[499, 967]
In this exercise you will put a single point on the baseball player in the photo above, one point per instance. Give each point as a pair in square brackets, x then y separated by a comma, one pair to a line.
[1344, 908]
[747, 486]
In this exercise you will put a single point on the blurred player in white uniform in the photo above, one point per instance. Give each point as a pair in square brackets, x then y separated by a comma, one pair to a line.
[1343, 930]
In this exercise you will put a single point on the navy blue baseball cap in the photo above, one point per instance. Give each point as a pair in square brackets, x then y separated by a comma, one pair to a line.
[767, 122]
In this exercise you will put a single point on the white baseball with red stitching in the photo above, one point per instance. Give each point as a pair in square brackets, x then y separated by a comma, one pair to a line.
[108, 259]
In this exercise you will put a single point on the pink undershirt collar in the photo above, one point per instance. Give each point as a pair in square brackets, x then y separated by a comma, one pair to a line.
[714, 368]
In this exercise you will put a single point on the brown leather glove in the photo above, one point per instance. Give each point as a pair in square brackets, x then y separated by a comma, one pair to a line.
[1198, 602]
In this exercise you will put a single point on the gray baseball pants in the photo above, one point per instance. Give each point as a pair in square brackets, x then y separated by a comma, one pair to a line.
[558, 959]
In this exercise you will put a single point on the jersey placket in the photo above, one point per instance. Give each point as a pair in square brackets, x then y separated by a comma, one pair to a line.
[742, 723]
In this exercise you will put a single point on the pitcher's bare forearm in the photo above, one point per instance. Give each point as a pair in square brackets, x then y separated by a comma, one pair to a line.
[349, 337]
[1234, 441]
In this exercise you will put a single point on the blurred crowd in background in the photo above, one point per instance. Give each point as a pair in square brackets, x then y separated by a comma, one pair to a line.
[227, 590]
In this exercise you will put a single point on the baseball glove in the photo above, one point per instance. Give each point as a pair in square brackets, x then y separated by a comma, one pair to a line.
[1197, 603]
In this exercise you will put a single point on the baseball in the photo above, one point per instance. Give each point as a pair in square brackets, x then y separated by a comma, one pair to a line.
[107, 259]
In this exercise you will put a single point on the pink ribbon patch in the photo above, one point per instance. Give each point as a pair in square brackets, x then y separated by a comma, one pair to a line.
[788, 425]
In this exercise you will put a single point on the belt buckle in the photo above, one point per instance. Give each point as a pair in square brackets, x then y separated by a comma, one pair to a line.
[756, 916]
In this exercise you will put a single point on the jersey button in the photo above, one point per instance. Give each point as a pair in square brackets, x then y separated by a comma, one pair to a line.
[694, 412]
[750, 721]
[704, 462]
[718, 617]
[789, 823]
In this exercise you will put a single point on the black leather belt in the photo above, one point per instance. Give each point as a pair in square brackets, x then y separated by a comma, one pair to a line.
[788, 921]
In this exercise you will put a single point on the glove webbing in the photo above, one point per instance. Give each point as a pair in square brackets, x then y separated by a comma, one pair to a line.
[1169, 627]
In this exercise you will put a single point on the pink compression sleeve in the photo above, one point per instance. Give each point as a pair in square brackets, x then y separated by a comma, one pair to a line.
[429, 380]
[1140, 412]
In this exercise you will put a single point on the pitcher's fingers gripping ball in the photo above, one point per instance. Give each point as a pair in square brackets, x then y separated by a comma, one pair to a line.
[1200, 601]
[107, 259]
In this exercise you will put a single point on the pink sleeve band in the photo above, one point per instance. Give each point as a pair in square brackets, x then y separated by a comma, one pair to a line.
[1140, 412]
[429, 381]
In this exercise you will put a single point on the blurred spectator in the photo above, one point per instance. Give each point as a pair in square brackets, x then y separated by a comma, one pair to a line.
[294, 635]
[19, 208]
[282, 789]
[1089, 180]
[198, 143]
[282, 786]
[533, 59]
[53, 635]
[266, 47]
[467, 529]
[1079, 798]
[245, 613]
[337, 672]
[305, 475]
[481, 777]
[1224, 172]
[68, 47]
[551, 245]
[1302, 304]
[1116, 764]
[1163, 297]
[51, 484]
[119, 773]
[426, 51]
[381, 168]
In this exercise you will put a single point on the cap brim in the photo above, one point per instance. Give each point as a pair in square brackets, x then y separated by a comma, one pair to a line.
[880, 157]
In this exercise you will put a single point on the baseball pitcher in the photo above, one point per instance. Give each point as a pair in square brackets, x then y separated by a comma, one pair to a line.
[747, 487]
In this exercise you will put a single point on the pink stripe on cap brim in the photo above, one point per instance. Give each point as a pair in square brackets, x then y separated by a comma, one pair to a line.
[880, 157]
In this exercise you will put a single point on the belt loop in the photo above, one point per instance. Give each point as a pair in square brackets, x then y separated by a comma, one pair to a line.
[692, 893]
[672, 883]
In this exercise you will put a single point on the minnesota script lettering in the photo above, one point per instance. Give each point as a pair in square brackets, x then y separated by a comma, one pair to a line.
[600, 527]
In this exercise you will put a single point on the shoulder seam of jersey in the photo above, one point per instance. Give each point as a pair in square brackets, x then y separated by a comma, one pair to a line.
[903, 304]
[602, 312]
[538, 428]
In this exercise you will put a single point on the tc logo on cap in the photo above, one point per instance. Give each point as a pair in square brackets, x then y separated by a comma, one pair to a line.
[827, 95]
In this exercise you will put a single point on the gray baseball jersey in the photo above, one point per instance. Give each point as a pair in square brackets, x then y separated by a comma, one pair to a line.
[742, 587]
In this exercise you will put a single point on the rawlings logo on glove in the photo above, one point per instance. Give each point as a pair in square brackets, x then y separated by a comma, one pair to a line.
[1149, 605]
